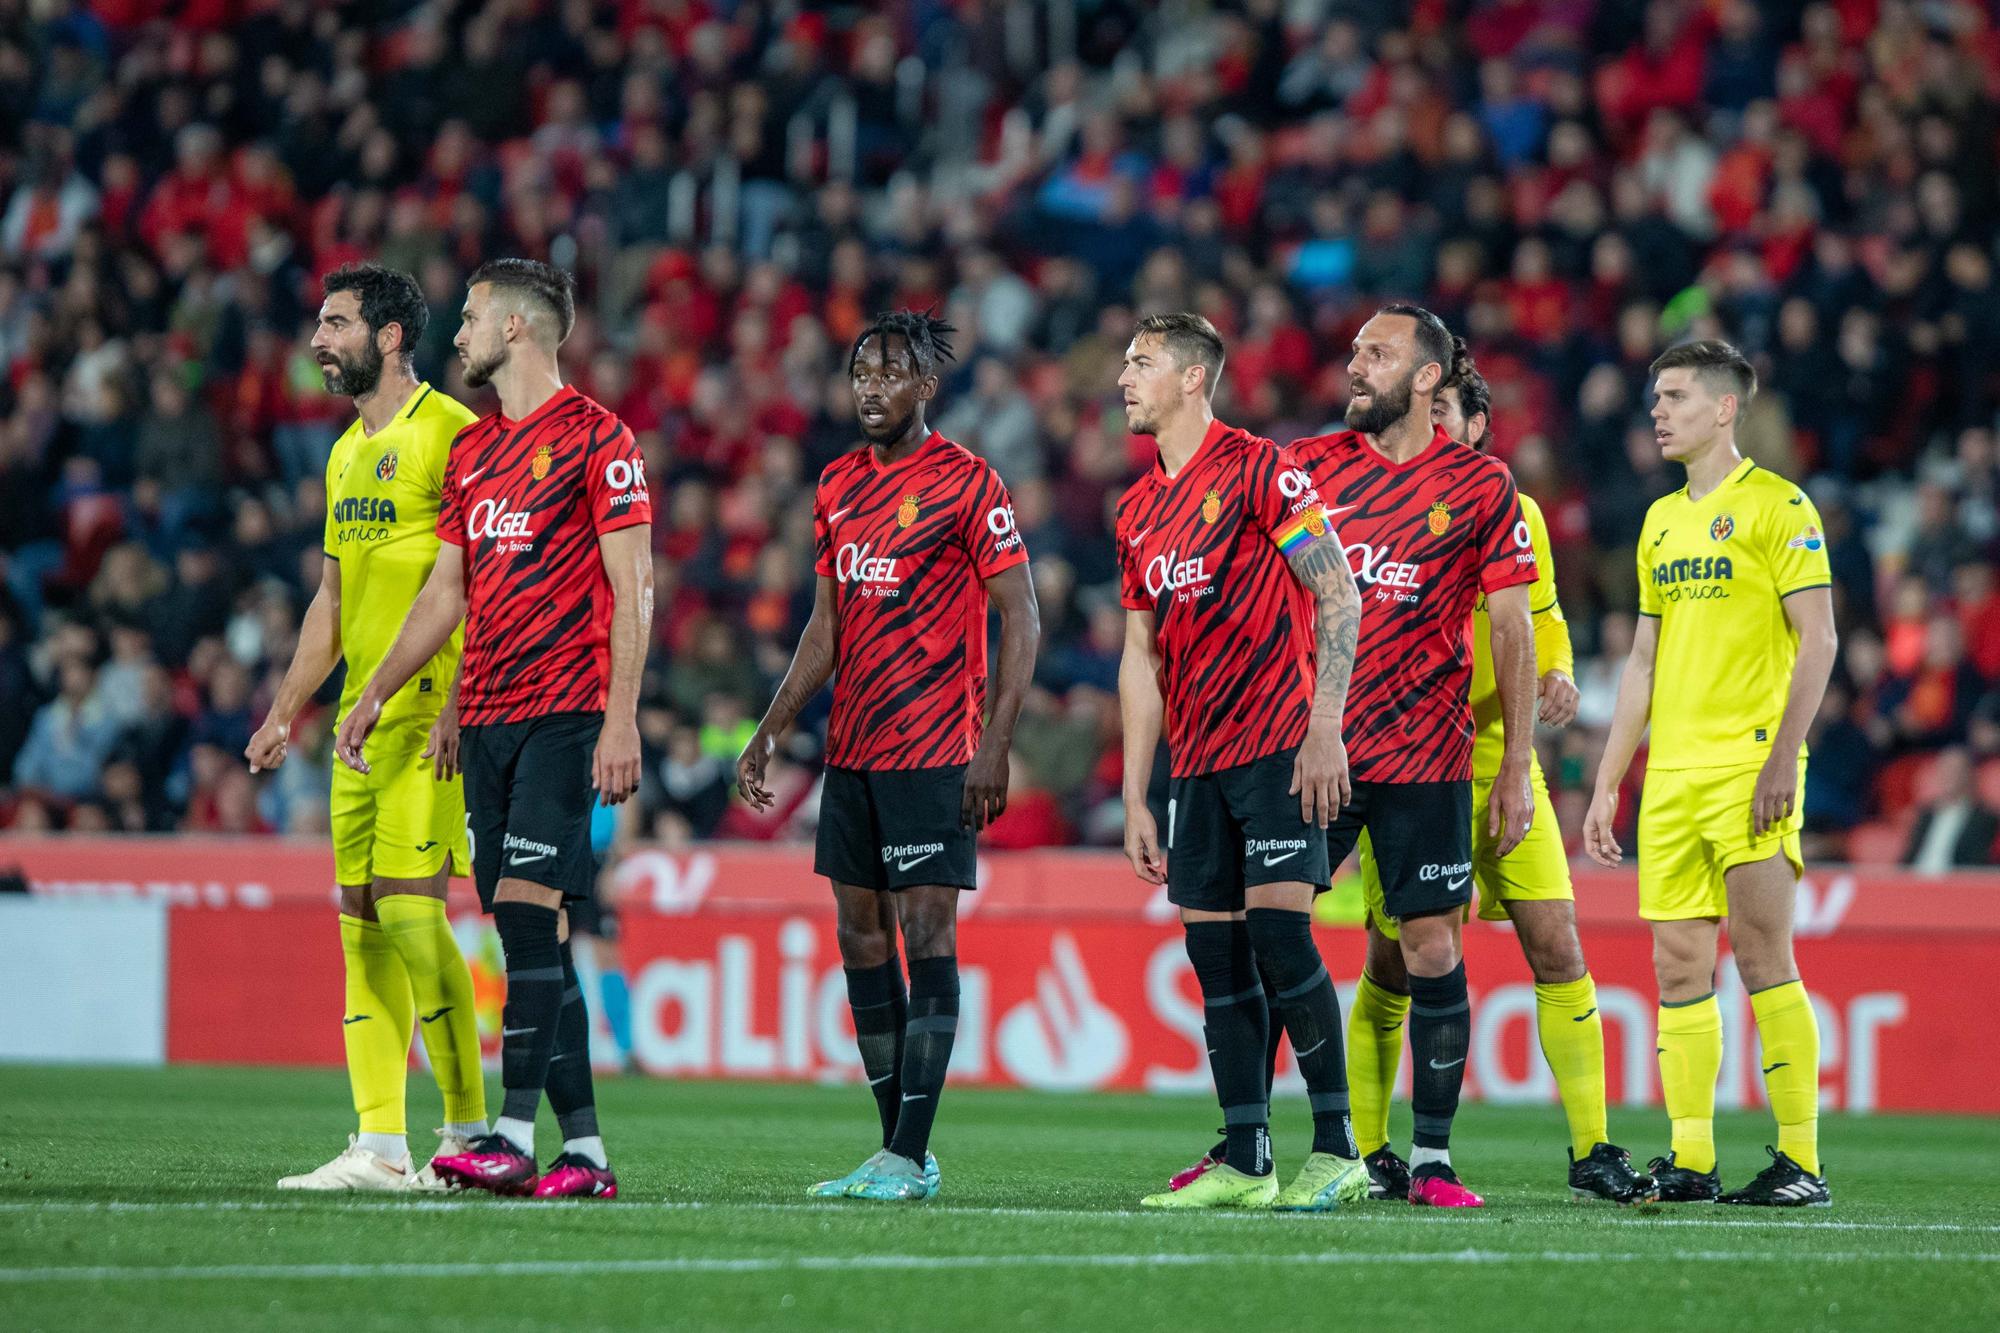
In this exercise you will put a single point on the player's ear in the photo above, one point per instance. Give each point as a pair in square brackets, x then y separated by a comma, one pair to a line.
[1428, 376]
[927, 388]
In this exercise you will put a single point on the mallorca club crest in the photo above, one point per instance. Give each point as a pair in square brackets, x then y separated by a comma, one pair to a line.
[1440, 518]
[385, 467]
[906, 512]
[1720, 530]
[543, 461]
[1211, 507]
[1315, 521]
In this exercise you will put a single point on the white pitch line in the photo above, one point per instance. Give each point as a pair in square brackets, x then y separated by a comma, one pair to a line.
[820, 1263]
[830, 1208]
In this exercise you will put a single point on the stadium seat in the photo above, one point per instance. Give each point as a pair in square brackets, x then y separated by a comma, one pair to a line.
[1901, 781]
[1878, 843]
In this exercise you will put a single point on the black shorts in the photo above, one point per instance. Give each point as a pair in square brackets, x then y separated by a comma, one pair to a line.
[527, 802]
[1422, 834]
[1237, 827]
[895, 828]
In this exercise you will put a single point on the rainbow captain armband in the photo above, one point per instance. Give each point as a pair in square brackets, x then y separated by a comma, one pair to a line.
[1302, 529]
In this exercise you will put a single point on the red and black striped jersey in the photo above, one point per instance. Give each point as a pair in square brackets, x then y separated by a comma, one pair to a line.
[1200, 551]
[527, 500]
[909, 547]
[1424, 539]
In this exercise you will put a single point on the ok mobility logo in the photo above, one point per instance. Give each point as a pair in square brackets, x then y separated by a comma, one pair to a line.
[1694, 578]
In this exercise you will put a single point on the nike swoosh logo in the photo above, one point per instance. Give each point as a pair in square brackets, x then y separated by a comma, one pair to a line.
[905, 865]
[915, 1096]
[358, 1018]
[1448, 1064]
[884, 1079]
[467, 479]
[839, 514]
[432, 1018]
[1300, 1055]
[520, 860]
[1580, 1017]
[1273, 860]
[426, 846]
[515, 1032]
[1139, 536]
[1455, 885]
[1780, 1065]
[1390, 1027]
[1340, 509]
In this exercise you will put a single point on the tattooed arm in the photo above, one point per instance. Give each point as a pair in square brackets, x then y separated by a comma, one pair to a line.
[1319, 776]
[811, 667]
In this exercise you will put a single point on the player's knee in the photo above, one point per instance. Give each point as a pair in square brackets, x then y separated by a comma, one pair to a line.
[863, 943]
[356, 901]
[1683, 961]
[930, 932]
[1763, 957]
[1554, 953]
[1429, 945]
[1385, 963]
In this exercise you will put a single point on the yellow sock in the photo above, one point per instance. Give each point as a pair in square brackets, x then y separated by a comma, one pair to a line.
[1690, 1057]
[1573, 1044]
[376, 1026]
[441, 984]
[1374, 1049]
[1788, 1031]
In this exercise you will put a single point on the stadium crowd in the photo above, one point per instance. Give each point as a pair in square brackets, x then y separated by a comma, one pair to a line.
[739, 185]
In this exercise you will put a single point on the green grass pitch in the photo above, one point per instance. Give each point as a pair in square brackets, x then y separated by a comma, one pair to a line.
[142, 1198]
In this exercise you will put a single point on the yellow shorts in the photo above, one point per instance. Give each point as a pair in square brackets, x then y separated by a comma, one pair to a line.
[1694, 825]
[1536, 871]
[396, 821]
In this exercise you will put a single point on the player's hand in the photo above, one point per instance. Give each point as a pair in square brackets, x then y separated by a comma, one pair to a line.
[442, 750]
[1142, 844]
[354, 731]
[750, 770]
[614, 768]
[985, 788]
[1319, 775]
[1776, 795]
[267, 748]
[1559, 698]
[1510, 811]
[1597, 840]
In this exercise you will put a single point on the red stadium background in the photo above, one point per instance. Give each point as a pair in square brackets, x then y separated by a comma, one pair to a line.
[1074, 975]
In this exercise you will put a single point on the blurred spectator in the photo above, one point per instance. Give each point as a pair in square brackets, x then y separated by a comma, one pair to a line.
[1954, 828]
[71, 738]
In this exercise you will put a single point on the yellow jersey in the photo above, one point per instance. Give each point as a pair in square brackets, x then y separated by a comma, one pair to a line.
[1714, 572]
[382, 497]
[1552, 648]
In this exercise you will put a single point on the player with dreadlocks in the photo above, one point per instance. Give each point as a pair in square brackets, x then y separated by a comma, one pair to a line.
[914, 538]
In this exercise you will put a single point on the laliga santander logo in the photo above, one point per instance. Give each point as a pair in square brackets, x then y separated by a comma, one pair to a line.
[1064, 1038]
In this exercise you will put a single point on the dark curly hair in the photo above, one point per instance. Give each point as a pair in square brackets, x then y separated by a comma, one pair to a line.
[388, 296]
[1475, 395]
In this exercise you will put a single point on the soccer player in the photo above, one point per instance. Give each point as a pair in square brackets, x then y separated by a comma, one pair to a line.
[915, 537]
[1241, 625]
[398, 830]
[547, 557]
[1531, 887]
[1734, 644]
[1428, 525]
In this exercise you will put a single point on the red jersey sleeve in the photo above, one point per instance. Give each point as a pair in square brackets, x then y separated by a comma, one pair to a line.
[1507, 549]
[1275, 487]
[1131, 573]
[986, 526]
[451, 513]
[822, 534]
[615, 478]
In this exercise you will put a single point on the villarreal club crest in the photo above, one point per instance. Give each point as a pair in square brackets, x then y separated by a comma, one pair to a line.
[385, 467]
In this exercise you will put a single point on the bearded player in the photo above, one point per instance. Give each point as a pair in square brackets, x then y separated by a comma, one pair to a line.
[547, 557]
[1730, 656]
[398, 829]
[1530, 887]
[916, 539]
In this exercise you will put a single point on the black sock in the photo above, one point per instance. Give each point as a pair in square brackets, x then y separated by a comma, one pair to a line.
[881, 1008]
[932, 1028]
[1275, 1032]
[572, 1094]
[1304, 1000]
[1440, 1037]
[1234, 1024]
[529, 1018]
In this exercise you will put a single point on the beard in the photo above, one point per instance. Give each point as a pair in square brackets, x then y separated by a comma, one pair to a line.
[479, 372]
[356, 377]
[1385, 407]
[891, 429]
